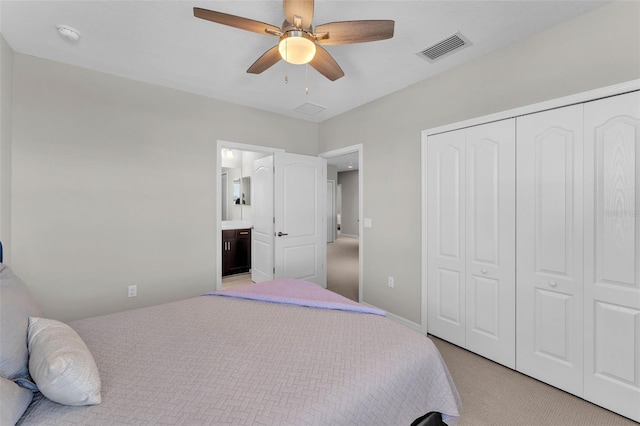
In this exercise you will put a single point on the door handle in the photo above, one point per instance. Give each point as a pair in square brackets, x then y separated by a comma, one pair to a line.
[484, 271]
[281, 234]
[552, 284]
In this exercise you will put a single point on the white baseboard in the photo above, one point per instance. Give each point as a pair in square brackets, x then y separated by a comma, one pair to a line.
[348, 235]
[412, 325]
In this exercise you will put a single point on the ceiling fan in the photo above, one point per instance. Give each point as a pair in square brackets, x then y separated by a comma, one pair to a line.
[298, 42]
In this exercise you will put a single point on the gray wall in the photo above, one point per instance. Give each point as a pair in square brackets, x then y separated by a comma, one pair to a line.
[350, 200]
[594, 50]
[6, 88]
[332, 173]
[114, 184]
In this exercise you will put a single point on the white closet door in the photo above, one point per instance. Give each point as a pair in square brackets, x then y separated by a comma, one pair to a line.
[445, 236]
[490, 241]
[550, 247]
[612, 250]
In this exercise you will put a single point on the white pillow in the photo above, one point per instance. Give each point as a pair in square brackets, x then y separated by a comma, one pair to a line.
[15, 401]
[61, 365]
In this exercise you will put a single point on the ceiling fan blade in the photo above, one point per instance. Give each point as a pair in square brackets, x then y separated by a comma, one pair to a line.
[324, 63]
[267, 60]
[236, 21]
[301, 8]
[347, 32]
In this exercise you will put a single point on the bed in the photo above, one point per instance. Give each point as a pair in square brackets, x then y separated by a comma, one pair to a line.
[225, 359]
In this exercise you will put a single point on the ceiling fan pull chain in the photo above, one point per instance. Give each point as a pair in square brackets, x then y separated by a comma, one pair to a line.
[286, 67]
[306, 79]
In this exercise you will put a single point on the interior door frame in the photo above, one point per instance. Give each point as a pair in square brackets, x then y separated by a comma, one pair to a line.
[220, 145]
[336, 153]
[331, 209]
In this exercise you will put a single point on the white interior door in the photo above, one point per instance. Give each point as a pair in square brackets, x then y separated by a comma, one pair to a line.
[612, 252]
[550, 247]
[490, 241]
[299, 206]
[445, 236]
[338, 209]
[331, 211]
[262, 244]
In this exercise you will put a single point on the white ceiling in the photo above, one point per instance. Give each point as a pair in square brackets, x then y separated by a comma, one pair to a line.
[161, 42]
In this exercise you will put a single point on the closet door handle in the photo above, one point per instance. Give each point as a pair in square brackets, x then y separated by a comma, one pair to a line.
[553, 284]
[484, 271]
[281, 234]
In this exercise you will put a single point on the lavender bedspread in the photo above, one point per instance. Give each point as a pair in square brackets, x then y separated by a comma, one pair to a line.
[223, 360]
[297, 292]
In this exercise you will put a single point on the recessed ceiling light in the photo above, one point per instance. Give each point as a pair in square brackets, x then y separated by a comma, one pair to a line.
[68, 33]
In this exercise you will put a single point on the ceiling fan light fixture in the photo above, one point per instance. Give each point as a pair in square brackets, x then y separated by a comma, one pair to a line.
[297, 47]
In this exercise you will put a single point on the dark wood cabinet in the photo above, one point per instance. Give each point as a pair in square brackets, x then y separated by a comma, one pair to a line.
[236, 251]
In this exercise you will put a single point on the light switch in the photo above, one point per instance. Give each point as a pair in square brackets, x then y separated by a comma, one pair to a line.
[367, 222]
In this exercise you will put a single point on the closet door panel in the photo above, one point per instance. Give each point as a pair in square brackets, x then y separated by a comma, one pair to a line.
[612, 249]
[550, 247]
[490, 241]
[445, 233]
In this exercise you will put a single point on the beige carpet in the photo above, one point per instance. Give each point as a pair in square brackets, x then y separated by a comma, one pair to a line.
[342, 267]
[237, 280]
[494, 395]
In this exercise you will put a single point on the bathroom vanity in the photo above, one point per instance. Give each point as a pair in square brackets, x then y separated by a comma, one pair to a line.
[236, 249]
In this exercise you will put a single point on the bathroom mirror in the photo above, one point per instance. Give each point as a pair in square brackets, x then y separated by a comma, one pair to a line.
[242, 191]
[236, 183]
[232, 207]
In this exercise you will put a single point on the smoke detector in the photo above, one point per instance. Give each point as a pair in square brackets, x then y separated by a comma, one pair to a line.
[68, 33]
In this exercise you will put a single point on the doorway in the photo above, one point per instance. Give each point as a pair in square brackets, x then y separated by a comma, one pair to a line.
[229, 169]
[289, 197]
[344, 254]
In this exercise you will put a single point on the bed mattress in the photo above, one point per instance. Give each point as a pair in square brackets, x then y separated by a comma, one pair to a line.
[219, 360]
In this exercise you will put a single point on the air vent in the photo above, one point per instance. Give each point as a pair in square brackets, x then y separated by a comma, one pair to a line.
[445, 47]
[310, 109]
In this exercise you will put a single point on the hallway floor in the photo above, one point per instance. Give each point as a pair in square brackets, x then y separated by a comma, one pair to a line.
[343, 267]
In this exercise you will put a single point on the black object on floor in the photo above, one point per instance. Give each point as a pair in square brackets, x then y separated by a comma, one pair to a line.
[432, 418]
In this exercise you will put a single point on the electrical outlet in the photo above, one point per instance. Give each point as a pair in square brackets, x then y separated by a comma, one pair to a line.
[391, 282]
[133, 290]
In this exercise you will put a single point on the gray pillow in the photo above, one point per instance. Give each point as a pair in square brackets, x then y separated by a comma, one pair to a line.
[13, 401]
[16, 306]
